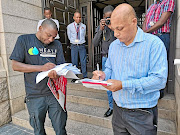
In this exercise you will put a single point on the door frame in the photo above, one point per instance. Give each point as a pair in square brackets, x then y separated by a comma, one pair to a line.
[89, 33]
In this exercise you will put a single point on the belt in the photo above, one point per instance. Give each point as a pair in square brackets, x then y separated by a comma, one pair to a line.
[78, 44]
[137, 109]
[159, 34]
[105, 55]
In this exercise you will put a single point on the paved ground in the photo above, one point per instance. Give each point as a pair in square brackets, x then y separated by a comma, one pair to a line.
[11, 129]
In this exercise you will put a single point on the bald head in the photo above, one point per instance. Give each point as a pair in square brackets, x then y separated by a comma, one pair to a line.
[47, 31]
[77, 17]
[124, 23]
[77, 13]
[124, 12]
[50, 24]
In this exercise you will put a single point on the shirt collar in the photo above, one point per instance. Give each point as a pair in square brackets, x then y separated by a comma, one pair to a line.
[76, 23]
[139, 35]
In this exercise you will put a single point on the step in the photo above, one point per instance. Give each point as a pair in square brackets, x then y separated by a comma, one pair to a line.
[165, 127]
[166, 106]
[73, 127]
[167, 102]
[89, 114]
[94, 115]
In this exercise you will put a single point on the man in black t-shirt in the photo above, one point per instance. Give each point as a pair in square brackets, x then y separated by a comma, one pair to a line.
[32, 54]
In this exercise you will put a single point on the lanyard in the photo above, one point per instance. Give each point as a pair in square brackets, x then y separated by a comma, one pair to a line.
[77, 30]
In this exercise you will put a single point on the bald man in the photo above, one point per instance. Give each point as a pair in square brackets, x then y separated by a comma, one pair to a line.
[137, 66]
[76, 32]
[32, 54]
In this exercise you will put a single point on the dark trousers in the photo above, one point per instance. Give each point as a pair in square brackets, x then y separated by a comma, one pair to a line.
[38, 107]
[166, 40]
[75, 49]
[134, 121]
[165, 37]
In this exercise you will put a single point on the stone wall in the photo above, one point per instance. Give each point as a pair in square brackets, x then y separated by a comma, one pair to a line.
[5, 115]
[177, 78]
[17, 17]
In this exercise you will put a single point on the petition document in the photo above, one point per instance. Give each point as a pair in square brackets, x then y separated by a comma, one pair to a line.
[66, 69]
[95, 84]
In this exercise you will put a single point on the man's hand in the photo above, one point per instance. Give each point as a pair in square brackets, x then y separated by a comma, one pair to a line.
[52, 74]
[102, 24]
[98, 75]
[116, 85]
[47, 66]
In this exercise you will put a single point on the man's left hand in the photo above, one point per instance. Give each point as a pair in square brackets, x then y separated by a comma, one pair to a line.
[52, 74]
[116, 85]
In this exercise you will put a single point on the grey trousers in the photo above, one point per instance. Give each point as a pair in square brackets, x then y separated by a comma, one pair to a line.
[38, 107]
[134, 121]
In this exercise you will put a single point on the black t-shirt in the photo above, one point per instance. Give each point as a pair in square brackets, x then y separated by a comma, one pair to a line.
[29, 50]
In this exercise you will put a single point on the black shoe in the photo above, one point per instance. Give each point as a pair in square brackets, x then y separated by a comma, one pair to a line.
[108, 113]
[73, 80]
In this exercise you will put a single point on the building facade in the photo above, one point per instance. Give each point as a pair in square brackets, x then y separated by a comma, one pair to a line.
[19, 17]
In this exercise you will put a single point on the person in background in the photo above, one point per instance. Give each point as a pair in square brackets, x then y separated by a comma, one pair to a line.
[32, 54]
[104, 36]
[158, 22]
[137, 68]
[76, 32]
[48, 15]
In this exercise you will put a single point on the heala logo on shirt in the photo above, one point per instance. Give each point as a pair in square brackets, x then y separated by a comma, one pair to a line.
[33, 51]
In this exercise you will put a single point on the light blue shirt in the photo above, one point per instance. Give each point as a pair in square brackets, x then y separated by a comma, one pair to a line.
[72, 34]
[142, 68]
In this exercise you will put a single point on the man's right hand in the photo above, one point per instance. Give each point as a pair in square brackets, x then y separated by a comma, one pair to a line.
[47, 66]
[102, 24]
[98, 75]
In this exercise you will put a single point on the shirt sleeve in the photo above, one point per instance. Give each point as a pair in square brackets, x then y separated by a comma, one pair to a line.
[98, 36]
[85, 31]
[157, 75]
[57, 23]
[169, 6]
[39, 24]
[60, 55]
[68, 32]
[148, 10]
[18, 53]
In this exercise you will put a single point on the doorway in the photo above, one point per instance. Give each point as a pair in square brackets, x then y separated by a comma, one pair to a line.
[63, 11]
[97, 15]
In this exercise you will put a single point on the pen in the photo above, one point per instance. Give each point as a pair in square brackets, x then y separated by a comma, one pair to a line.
[98, 69]
[48, 60]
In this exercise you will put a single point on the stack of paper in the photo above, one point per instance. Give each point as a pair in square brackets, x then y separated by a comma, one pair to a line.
[95, 84]
[67, 70]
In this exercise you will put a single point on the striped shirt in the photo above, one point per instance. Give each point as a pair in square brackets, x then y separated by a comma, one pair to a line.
[154, 14]
[142, 68]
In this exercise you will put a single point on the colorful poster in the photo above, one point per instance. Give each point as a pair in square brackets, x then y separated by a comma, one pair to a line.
[58, 87]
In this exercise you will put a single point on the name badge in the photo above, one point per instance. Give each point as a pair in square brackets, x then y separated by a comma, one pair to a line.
[77, 40]
[151, 23]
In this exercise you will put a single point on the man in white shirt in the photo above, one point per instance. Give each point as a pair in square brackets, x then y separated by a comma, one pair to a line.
[76, 32]
[47, 15]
